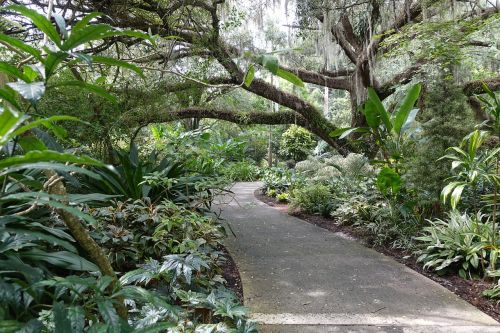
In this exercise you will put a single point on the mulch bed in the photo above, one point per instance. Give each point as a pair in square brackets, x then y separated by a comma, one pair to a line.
[232, 275]
[469, 290]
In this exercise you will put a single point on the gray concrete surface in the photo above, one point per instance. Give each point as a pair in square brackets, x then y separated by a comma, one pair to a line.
[300, 278]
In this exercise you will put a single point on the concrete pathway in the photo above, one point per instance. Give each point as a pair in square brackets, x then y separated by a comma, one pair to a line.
[300, 278]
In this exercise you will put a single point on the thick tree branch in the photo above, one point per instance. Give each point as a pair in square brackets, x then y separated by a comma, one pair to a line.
[476, 87]
[342, 83]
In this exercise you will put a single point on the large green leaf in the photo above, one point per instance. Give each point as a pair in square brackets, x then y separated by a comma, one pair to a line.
[119, 63]
[30, 91]
[50, 166]
[63, 259]
[269, 62]
[13, 71]
[40, 21]
[290, 77]
[76, 316]
[45, 156]
[345, 132]
[249, 75]
[61, 321]
[402, 113]
[85, 21]
[10, 97]
[109, 314]
[87, 86]
[389, 181]
[52, 61]
[372, 115]
[379, 107]
[9, 122]
[85, 35]
[20, 45]
[47, 122]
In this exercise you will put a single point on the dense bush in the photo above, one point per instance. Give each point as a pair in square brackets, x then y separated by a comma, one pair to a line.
[316, 199]
[296, 143]
[240, 171]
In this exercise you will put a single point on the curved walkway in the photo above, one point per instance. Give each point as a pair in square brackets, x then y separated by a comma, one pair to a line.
[300, 278]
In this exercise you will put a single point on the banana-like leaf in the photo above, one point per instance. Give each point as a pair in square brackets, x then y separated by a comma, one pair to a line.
[403, 112]
[379, 107]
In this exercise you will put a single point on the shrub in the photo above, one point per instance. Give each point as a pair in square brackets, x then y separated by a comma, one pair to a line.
[283, 197]
[462, 243]
[241, 171]
[316, 199]
[279, 179]
[296, 143]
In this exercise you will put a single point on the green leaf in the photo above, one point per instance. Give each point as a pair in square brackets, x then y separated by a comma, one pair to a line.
[10, 98]
[109, 314]
[30, 91]
[13, 71]
[61, 24]
[10, 326]
[345, 132]
[85, 21]
[290, 77]
[61, 321]
[90, 87]
[154, 328]
[119, 63]
[76, 316]
[47, 122]
[372, 115]
[20, 45]
[50, 166]
[9, 121]
[30, 142]
[63, 259]
[32, 326]
[45, 156]
[249, 75]
[39, 20]
[389, 181]
[269, 62]
[52, 61]
[380, 109]
[402, 113]
[85, 35]
[456, 195]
